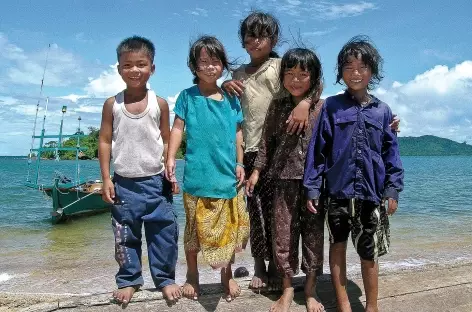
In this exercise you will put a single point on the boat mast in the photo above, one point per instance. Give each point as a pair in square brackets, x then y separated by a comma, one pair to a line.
[59, 141]
[41, 141]
[77, 175]
[36, 116]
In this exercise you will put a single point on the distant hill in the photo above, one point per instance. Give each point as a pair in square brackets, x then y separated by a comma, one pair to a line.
[426, 145]
[430, 145]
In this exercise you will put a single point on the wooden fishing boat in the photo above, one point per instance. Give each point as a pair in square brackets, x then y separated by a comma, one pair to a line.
[70, 200]
[70, 197]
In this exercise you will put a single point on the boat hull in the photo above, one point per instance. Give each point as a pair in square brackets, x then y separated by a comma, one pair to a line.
[69, 203]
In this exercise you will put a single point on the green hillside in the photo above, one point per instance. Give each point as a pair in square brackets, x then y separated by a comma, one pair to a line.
[430, 145]
[427, 145]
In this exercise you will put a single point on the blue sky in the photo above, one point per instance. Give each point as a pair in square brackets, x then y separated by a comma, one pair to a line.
[425, 44]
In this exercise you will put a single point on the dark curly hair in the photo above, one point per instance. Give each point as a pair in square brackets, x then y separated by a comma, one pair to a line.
[260, 25]
[363, 48]
[308, 61]
[213, 47]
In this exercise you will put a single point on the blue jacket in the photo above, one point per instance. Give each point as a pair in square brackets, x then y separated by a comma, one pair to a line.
[355, 151]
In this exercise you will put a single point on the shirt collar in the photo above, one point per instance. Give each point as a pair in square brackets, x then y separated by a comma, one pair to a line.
[374, 99]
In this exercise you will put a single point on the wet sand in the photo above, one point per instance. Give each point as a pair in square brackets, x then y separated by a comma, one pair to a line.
[430, 289]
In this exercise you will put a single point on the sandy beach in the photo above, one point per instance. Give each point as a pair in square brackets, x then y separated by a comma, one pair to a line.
[430, 289]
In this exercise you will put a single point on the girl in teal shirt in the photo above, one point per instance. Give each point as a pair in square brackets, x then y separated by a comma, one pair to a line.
[217, 223]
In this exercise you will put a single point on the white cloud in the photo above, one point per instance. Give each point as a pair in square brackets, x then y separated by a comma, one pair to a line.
[435, 102]
[8, 100]
[171, 101]
[319, 32]
[312, 9]
[89, 109]
[26, 68]
[109, 82]
[73, 97]
[10, 51]
[27, 110]
[330, 10]
[440, 55]
[80, 37]
[198, 12]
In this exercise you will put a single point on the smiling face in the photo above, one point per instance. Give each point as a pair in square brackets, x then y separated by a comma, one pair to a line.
[356, 74]
[297, 81]
[135, 67]
[209, 68]
[258, 48]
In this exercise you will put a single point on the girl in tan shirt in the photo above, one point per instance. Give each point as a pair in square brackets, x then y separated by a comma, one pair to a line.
[257, 84]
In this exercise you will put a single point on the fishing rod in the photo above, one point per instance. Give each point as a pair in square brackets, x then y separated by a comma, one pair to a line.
[37, 110]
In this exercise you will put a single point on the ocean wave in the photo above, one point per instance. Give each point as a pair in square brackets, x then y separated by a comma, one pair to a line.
[5, 277]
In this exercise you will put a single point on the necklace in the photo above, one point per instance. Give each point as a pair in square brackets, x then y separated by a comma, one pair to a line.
[367, 100]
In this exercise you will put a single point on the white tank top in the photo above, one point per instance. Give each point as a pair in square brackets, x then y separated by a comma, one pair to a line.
[137, 146]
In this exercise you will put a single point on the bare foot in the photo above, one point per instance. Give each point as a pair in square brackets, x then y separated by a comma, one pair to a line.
[274, 280]
[371, 308]
[232, 289]
[344, 307]
[312, 301]
[259, 280]
[191, 288]
[172, 292]
[312, 305]
[284, 302]
[275, 283]
[122, 296]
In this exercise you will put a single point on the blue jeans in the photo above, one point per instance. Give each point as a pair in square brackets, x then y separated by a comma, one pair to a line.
[145, 200]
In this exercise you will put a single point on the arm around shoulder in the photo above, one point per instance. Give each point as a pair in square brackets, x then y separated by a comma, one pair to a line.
[391, 158]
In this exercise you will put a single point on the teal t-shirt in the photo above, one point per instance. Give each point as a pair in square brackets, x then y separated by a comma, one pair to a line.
[210, 158]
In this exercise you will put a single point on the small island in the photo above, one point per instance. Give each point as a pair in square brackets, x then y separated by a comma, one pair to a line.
[430, 145]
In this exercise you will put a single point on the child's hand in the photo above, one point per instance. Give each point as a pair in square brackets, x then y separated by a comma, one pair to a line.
[170, 170]
[234, 87]
[298, 119]
[240, 174]
[312, 205]
[251, 182]
[392, 206]
[395, 125]
[175, 188]
[108, 191]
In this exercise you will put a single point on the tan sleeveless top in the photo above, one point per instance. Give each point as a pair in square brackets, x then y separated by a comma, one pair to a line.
[260, 88]
[137, 146]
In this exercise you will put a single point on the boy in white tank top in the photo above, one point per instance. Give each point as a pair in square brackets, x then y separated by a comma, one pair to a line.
[135, 132]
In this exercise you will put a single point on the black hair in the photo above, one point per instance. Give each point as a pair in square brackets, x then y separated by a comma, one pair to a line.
[361, 46]
[213, 47]
[136, 44]
[308, 61]
[260, 25]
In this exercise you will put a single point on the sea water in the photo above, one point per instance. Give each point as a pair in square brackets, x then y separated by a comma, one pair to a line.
[431, 227]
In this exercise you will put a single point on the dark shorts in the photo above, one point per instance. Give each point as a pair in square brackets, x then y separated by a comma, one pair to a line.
[367, 221]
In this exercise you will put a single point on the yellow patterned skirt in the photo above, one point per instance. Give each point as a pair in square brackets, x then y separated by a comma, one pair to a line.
[216, 227]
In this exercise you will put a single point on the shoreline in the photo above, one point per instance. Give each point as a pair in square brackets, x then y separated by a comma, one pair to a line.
[447, 288]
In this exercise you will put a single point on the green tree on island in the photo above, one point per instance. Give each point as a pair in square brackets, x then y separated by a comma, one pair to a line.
[91, 142]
